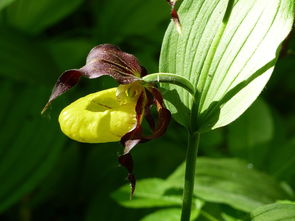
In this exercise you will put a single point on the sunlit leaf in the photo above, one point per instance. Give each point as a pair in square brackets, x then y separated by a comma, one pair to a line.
[233, 182]
[275, 212]
[228, 61]
[169, 215]
[149, 193]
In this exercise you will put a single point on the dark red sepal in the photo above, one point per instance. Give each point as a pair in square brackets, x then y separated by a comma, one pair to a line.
[164, 115]
[126, 161]
[147, 110]
[134, 136]
[174, 15]
[105, 59]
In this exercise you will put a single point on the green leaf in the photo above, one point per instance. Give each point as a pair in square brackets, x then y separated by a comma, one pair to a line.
[275, 212]
[5, 3]
[34, 16]
[233, 182]
[169, 215]
[170, 78]
[149, 193]
[29, 145]
[249, 136]
[227, 61]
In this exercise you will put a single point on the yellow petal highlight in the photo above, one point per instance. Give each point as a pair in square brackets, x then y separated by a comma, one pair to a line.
[98, 118]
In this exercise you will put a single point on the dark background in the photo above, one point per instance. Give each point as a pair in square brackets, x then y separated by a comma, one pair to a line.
[44, 175]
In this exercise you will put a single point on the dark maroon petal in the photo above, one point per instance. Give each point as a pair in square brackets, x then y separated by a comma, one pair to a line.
[134, 136]
[107, 59]
[102, 60]
[65, 82]
[164, 116]
[174, 15]
[131, 139]
[147, 110]
[126, 161]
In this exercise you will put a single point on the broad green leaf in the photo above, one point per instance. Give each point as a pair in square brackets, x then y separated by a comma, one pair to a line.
[228, 61]
[233, 182]
[169, 215]
[149, 193]
[219, 211]
[29, 145]
[275, 212]
[5, 3]
[25, 60]
[34, 16]
[249, 136]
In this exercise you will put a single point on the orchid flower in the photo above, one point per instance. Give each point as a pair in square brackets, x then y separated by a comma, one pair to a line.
[114, 114]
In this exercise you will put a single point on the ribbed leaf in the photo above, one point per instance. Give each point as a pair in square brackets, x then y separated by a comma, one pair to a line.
[169, 215]
[228, 61]
[233, 182]
[275, 212]
[149, 193]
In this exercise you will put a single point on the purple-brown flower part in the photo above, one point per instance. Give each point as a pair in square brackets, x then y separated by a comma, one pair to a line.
[104, 59]
[109, 60]
[174, 15]
[151, 97]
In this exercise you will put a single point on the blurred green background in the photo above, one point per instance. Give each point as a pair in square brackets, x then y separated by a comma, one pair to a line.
[45, 176]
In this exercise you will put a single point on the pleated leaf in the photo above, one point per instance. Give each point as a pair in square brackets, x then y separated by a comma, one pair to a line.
[275, 212]
[172, 214]
[228, 61]
[149, 193]
[233, 182]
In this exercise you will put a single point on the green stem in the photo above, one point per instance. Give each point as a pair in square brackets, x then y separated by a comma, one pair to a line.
[190, 170]
[171, 79]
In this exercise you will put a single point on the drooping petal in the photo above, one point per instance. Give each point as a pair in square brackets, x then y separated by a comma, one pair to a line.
[98, 118]
[147, 110]
[164, 115]
[105, 59]
[145, 100]
[126, 161]
[134, 136]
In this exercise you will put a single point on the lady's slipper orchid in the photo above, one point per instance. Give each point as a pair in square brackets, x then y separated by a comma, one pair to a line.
[114, 114]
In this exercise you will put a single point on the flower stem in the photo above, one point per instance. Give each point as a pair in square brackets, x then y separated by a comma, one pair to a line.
[190, 169]
[171, 79]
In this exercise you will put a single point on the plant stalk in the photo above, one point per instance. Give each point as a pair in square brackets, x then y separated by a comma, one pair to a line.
[190, 171]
